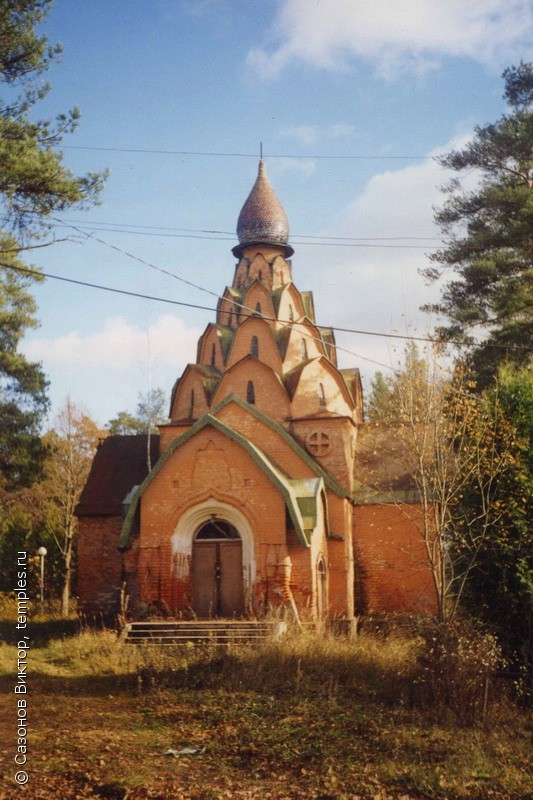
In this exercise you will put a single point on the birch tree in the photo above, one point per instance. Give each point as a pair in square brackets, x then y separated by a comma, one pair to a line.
[73, 442]
[451, 444]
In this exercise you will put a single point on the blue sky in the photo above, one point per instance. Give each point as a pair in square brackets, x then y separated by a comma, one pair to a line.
[308, 79]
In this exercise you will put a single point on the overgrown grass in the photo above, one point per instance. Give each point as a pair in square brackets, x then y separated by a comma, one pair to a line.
[46, 621]
[301, 717]
[395, 670]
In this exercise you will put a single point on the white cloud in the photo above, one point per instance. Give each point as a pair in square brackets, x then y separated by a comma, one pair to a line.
[118, 345]
[378, 286]
[106, 370]
[412, 35]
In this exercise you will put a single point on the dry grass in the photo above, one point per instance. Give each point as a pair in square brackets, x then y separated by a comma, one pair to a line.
[305, 717]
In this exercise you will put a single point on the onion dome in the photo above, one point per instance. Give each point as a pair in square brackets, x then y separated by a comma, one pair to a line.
[262, 219]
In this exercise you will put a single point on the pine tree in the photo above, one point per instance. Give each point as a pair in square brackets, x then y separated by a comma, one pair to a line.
[490, 236]
[34, 184]
[23, 400]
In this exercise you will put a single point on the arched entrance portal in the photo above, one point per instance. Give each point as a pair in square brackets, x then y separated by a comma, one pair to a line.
[217, 570]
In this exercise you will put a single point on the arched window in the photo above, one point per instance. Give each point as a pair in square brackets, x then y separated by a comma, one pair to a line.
[250, 393]
[254, 347]
[217, 529]
[258, 308]
[213, 354]
[321, 395]
[291, 313]
[191, 405]
[303, 345]
[260, 275]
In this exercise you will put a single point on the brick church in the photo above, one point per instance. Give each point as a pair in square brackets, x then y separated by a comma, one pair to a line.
[266, 489]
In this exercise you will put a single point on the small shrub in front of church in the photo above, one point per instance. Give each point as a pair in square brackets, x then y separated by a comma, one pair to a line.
[457, 660]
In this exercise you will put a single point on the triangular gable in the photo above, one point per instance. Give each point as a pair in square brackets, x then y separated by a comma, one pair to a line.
[309, 305]
[352, 378]
[287, 438]
[276, 476]
[233, 297]
[242, 326]
[284, 335]
[210, 379]
[278, 294]
[292, 378]
[225, 336]
[249, 310]
[328, 337]
[260, 364]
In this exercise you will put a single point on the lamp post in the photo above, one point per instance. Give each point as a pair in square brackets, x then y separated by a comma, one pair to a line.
[41, 552]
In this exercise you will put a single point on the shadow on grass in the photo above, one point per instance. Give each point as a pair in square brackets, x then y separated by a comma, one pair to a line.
[215, 671]
[41, 632]
[197, 676]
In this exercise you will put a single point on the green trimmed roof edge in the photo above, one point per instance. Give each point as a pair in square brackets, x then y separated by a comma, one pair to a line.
[258, 456]
[328, 480]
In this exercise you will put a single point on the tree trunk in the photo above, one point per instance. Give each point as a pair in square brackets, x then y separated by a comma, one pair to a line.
[65, 594]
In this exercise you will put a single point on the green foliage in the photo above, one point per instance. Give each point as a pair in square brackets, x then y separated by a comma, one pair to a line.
[386, 393]
[23, 400]
[460, 453]
[488, 232]
[379, 398]
[43, 513]
[150, 413]
[500, 588]
[34, 184]
[72, 444]
[33, 180]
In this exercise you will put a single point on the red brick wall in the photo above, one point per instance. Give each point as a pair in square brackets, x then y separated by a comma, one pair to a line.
[99, 565]
[391, 568]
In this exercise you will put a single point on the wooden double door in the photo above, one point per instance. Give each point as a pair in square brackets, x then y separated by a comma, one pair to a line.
[217, 580]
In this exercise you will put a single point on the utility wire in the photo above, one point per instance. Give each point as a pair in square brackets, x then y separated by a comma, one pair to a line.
[231, 238]
[176, 303]
[243, 155]
[405, 337]
[219, 297]
[121, 225]
[253, 312]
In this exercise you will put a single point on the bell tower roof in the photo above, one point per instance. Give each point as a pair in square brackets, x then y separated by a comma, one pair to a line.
[262, 219]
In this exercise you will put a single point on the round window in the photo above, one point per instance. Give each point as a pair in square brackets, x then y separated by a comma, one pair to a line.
[318, 443]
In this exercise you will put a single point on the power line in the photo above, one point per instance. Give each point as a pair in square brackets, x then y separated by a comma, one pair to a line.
[252, 311]
[232, 238]
[172, 302]
[428, 339]
[151, 151]
[232, 233]
[208, 291]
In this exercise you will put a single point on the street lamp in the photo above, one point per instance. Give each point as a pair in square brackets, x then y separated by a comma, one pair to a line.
[41, 552]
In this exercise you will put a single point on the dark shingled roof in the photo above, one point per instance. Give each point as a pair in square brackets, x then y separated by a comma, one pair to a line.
[118, 466]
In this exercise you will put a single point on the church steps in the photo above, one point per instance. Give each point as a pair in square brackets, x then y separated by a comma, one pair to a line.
[200, 631]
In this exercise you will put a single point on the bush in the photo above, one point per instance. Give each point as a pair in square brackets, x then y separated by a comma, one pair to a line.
[456, 660]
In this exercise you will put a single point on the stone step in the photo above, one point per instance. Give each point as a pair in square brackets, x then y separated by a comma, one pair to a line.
[201, 623]
[198, 631]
